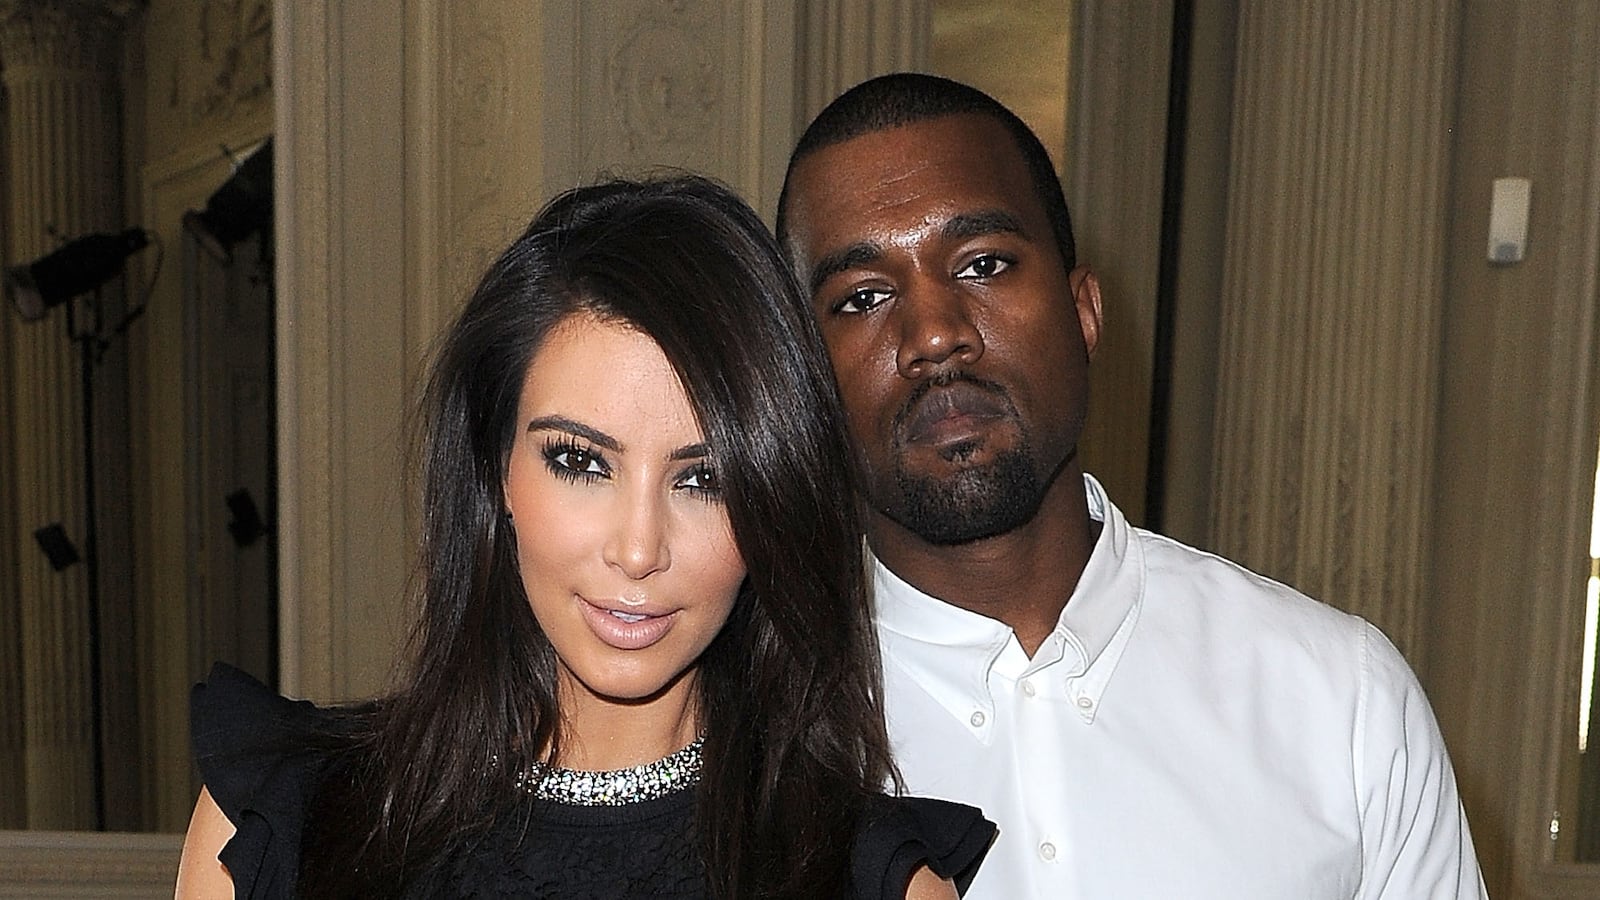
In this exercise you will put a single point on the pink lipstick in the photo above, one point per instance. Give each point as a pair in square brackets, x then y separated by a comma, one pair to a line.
[626, 629]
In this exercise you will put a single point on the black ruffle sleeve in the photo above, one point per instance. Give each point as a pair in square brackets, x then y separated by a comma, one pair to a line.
[903, 833]
[256, 757]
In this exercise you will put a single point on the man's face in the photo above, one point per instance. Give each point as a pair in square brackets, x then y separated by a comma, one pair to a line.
[960, 340]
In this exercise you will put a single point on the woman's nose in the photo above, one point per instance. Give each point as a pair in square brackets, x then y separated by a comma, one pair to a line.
[638, 545]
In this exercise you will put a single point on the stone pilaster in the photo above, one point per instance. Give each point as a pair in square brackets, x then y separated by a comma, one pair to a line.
[62, 180]
[1332, 290]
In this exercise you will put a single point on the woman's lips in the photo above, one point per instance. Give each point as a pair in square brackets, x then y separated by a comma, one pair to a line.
[626, 629]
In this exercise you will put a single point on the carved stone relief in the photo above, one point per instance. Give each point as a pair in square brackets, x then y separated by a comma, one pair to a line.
[663, 85]
[210, 64]
[656, 74]
[233, 63]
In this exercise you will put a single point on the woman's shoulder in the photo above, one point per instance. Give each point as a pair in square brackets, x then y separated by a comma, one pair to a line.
[260, 757]
[900, 834]
[243, 731]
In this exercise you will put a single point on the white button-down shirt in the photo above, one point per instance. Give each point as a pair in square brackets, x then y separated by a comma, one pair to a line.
[1189, 730]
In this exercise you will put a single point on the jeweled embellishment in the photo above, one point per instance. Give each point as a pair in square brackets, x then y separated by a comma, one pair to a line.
[618, 787]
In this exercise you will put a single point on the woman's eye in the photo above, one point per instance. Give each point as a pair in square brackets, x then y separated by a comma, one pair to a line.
[572, 461]
[986, 266]
[861, 301]
[701, 480]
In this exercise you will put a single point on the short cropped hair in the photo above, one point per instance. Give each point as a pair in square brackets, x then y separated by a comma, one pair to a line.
[903, 98]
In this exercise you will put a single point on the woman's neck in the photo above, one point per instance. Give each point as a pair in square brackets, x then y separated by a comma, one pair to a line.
[602, 733]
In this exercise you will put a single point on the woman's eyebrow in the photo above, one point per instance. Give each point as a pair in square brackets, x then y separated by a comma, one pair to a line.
[690, 451]
[562, 423]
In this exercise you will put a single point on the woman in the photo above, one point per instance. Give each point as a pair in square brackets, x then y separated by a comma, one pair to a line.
[640, 574]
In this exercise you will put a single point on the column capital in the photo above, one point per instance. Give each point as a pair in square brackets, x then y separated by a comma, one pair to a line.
[62, 35]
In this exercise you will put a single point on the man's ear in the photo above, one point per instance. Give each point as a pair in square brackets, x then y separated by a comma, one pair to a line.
[1086, 299]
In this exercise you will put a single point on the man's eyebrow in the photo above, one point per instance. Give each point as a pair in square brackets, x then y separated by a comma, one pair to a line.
[562, 423]
[980, 223]
[842, 260]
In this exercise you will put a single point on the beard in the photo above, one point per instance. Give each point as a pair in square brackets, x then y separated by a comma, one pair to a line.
[972, 504]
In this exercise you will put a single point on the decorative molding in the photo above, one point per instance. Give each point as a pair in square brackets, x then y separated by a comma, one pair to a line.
[83, 865]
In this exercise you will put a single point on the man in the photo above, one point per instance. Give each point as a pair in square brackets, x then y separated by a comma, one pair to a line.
[1142, 719]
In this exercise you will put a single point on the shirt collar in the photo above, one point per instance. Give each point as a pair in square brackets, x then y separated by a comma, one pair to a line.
[951, 651]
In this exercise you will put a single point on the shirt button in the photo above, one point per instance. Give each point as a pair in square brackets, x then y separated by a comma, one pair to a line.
[1028, 690]
[1047, 851]
[977, 719]
[1086, 703]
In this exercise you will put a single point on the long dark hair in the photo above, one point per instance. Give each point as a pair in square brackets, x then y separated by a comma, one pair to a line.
[794, 733]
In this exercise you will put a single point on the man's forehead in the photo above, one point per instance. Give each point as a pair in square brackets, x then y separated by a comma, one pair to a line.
[970, 136]
[954, 157]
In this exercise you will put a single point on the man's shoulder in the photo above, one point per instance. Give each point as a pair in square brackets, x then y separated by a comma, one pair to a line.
[1214, 595]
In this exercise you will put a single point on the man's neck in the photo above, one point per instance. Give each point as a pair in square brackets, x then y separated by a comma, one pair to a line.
[1022, 578]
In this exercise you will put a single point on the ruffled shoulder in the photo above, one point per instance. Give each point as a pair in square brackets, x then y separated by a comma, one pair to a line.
[902, 833]
[255, 751]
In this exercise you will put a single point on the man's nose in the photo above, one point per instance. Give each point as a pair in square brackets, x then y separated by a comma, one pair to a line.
[638, 544]
[937, 328]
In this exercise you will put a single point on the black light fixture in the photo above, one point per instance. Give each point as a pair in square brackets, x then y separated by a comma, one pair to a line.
[77, 267]
[240, 207]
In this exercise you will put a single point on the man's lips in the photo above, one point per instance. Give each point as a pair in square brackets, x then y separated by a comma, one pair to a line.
[939, 415]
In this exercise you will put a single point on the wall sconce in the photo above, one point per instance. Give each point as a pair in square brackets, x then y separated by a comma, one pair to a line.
[77, 267]
[240, 207]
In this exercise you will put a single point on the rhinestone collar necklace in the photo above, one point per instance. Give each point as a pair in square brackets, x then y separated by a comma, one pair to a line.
[618, 787]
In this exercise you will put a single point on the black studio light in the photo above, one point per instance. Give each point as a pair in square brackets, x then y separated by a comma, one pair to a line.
[240, 207]
[77, 267]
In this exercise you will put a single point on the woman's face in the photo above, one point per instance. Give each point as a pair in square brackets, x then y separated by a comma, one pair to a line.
[623, 541]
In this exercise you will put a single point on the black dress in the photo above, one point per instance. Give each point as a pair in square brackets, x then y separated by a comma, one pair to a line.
[262, 778]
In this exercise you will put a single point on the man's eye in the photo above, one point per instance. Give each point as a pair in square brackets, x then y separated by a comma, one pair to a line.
[861, 301]
[986, 266]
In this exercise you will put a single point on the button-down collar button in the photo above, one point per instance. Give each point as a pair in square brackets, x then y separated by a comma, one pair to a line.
[1086, 702]
[1028, 690]
[977, 719]
[1047, 851]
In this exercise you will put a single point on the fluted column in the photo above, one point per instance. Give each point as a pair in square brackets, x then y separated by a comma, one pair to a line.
[841, 43]
[62, 176]
[1332, 291]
